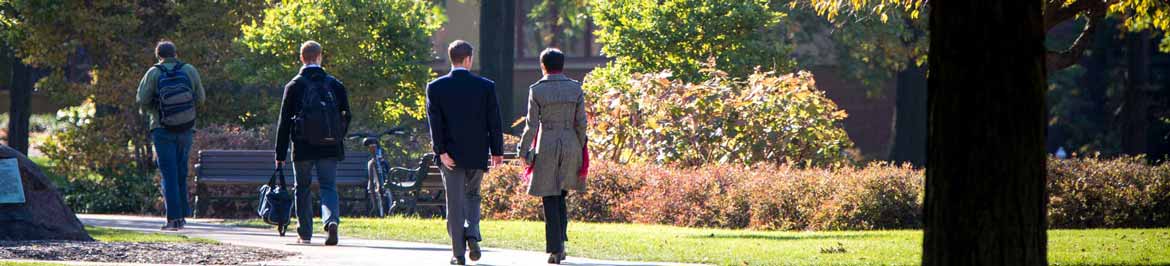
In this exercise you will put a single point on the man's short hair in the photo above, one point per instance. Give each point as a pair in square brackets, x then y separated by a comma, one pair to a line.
[552, 59]
[459, 50]
[164, 49]
[311, 50]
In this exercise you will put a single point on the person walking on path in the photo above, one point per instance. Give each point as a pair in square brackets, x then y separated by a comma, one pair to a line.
[552, 146]
[314, 118]
[465, 124]
[168, 94]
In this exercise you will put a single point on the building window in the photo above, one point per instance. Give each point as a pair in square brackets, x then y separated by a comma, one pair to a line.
[550, 26]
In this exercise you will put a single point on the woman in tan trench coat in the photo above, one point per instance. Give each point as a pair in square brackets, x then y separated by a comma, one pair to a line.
[556, 122]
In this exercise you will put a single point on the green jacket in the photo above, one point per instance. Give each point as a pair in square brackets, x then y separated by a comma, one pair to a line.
[148, 87]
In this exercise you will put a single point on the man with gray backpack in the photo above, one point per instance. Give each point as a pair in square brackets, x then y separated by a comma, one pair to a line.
[314, 117]
[168, 93]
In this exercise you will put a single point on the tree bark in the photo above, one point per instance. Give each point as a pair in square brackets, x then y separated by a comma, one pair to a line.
[20, 109]
[1136, 105]
[497, 31]
[985, 176]
[909, 144]
[554, 15]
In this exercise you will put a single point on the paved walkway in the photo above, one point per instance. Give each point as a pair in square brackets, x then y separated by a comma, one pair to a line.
[351, 251]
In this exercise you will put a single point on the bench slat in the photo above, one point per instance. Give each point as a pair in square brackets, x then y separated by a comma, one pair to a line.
[268, 172]
[264, 179]
[268, 165]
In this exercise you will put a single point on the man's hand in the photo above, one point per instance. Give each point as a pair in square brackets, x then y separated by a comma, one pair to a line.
[497, 161]
[279, 163]
[447, 161]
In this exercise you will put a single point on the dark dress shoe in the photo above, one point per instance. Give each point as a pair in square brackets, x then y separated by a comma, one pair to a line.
[474, 252]
[332, 229]
[459, 260]
[171, 226]
[181, 223]
[562, 255]
[554, 258]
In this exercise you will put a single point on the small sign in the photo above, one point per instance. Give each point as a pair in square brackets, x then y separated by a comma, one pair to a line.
[11, 188]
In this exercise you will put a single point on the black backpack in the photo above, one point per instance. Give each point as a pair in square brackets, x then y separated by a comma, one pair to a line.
[276, 203]
[319, 121]
[175, 99]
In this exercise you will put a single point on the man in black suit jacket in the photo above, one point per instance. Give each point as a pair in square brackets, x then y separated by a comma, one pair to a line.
[465, 127]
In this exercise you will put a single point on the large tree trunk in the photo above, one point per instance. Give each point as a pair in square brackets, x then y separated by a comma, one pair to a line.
[909, 144]
[985, 174]
[1134, 122]
[21, 106]
[44, 215]
[497, 31]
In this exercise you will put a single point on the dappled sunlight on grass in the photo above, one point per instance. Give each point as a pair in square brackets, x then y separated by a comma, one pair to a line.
[745, 247]
[115, 235]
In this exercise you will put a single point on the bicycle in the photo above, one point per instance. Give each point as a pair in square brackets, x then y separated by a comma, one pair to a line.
[378, 170]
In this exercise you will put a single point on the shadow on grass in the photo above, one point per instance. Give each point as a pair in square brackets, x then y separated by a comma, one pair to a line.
[784, 237]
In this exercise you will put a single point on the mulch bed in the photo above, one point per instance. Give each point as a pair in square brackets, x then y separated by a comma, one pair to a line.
[152, 253]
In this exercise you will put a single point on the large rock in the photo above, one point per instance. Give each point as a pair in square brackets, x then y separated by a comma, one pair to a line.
[44, 215]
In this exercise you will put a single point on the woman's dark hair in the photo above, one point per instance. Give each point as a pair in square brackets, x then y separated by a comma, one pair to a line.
[552, 59]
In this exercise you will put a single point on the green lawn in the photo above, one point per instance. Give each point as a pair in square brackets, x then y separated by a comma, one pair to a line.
[42, 161]
[741, 247]
[45, 163]
[114, 235]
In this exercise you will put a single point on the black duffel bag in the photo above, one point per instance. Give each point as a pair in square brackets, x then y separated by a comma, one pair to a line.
[276, 203]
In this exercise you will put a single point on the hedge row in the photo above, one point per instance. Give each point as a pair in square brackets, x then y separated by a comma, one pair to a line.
[1084, 193]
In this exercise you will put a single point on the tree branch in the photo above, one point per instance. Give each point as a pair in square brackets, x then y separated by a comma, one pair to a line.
[1056, 12]
[1063, 59]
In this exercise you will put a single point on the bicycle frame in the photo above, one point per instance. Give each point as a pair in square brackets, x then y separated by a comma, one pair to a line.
[378, 169]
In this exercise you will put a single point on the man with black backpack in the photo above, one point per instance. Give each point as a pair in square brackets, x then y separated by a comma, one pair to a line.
[314, 117]
[168, 93]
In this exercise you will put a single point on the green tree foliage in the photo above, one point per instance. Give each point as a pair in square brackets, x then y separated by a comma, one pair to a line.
[380, 49]
[680, 35]
[97, 51]
[1136, 16]
[869, 48]
[662, 100]
[764, 118]
[560, 19]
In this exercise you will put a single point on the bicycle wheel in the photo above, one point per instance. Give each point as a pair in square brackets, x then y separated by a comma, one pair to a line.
[373, 190]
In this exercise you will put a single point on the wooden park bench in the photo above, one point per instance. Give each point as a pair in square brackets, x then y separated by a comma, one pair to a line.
[254, 168]
[430, 191]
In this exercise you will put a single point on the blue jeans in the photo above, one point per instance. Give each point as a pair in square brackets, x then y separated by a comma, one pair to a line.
[172, 150]
[327, 178]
